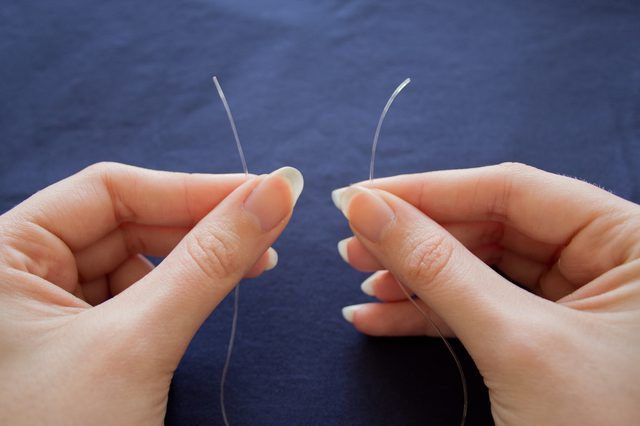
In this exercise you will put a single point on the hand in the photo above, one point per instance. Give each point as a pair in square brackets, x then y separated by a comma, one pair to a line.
[575, 360]
[81, 242]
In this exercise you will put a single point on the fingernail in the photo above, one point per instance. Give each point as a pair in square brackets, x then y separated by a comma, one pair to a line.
[367, 285]
[294, 178]
[272, 259]
[342, 249]
[349, 311]
[367, 212]
[272, 200]
[336, 196]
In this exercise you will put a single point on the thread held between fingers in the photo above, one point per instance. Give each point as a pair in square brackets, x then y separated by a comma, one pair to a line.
[236, 293]
[429, 321]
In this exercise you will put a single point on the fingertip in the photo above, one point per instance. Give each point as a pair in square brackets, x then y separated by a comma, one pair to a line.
[336, 197]
[272, 259]
[348, 312]
[273, 198]
[345, 196]
[294, 179]
[370, 215]
[343, 249]
[367, 285]
[267, 262]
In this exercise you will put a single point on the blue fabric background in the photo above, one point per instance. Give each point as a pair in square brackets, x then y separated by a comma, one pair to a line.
[555, 84]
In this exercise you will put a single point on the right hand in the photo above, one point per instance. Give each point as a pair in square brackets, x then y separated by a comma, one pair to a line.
[567, 350]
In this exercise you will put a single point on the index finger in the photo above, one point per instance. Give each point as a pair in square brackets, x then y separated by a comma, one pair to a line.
[86, 206]
[544, 206]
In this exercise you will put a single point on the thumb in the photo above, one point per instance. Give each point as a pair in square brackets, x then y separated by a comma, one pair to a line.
[467, 294]
[177, 296]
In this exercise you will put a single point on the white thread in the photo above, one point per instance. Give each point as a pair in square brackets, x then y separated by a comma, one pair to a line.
[236, 293]
[234, 320]
[382, 116]
[232, 123]
[427, 318]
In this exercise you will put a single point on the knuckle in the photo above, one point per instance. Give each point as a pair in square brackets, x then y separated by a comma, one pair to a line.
[504, 182]
[115, 179]
[132, 240]
[494, 233]
[526, 351]
[427, 259]
[512, 167]
[214, 253]
[103, 168]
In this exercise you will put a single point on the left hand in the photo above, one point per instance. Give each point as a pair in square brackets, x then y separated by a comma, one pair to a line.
[90, 331]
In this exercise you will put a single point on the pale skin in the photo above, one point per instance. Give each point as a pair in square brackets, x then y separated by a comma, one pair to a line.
[91, 333]
[567, 351]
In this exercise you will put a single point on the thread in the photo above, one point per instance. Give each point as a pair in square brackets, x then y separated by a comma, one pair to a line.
[236, 292]
[232, 122]
[374, 146]
[428, 320]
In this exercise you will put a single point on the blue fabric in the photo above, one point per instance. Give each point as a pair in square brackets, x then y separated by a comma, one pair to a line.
[552, 83]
